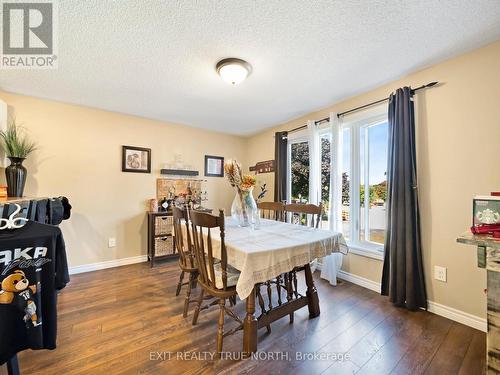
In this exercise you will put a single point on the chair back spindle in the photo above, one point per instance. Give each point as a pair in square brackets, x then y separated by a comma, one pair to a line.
[203, 224]
[306, 214]
[183, 242]
[272, 210]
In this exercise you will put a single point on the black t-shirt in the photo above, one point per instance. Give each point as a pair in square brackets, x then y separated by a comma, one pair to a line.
[33, 267]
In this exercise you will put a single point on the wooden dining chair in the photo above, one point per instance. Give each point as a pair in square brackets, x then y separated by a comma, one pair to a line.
[304, 214]
[272, 210]
[216, 277]
[187, 261]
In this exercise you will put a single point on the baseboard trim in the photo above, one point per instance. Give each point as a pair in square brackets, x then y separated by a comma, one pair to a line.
[358, 280]
[433, 307]
[107, 264]
[458, 316]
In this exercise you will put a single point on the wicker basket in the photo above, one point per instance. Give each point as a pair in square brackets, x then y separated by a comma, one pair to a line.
[163, 224]
[164, 246]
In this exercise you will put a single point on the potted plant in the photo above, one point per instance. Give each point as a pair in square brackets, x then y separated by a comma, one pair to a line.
[17, 147]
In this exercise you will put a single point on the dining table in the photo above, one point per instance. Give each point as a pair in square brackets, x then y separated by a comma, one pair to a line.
[266, 252]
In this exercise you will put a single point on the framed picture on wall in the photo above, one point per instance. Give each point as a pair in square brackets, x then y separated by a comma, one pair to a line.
[214, 166]
[136, 159]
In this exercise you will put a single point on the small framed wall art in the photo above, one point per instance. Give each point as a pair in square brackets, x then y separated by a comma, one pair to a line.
[214, 166]
[136, 159]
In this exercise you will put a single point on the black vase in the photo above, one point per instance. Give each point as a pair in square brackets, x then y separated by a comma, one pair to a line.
[16, 177]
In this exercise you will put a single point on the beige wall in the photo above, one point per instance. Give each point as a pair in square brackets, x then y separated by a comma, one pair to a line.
[458, 134]
[80, 157]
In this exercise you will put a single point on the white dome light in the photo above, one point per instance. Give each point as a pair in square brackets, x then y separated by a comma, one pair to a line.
[233, 70]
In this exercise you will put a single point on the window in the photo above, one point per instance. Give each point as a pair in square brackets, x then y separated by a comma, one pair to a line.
[373, 165]
[324, 184]
[363, 163]
[299, 171]
[365, 153]
[346, 183]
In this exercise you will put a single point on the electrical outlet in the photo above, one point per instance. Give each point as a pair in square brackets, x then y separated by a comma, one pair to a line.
[440, 273]
[112, 242]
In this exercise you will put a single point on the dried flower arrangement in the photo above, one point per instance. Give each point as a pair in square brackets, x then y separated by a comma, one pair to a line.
[244, 185]
[263, 192]
[236, 178]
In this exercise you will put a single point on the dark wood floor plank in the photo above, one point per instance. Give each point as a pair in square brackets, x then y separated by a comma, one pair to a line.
[366, 348]
[315, 340]
[304, 335]
[344, 342]
[111, 320]
[475, 358]
[312, 337]
[451, 353]
[418, 357]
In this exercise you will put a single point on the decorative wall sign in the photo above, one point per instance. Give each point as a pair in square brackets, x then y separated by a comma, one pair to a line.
[136, 159]
[263, 167]
[214, 166]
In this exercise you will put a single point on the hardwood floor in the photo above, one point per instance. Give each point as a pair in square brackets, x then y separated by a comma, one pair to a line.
[124, 320]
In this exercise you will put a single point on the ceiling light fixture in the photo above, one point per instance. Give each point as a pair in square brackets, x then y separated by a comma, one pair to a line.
[233, 70]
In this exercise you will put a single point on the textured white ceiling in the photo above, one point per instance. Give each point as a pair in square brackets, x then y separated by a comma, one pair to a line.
[156, 58]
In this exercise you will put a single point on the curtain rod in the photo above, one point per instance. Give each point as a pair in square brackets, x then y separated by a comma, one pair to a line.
[362, 107]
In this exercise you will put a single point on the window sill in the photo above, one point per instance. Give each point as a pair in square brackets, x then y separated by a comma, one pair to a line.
[373, 252]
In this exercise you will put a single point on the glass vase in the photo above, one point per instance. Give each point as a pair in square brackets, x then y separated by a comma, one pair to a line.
[244, 207]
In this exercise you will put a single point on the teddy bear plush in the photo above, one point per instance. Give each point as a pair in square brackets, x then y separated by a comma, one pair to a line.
[16, 290]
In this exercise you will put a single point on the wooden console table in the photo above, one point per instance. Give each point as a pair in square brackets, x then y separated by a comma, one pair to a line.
[488, 256]
[160, 236]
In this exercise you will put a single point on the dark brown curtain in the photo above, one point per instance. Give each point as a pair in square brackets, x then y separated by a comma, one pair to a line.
[280, 160]
[403, 274]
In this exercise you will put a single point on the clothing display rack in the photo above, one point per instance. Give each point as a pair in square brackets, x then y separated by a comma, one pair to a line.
[16, 212]
[13, 366]
[12, 215]
[28, 208]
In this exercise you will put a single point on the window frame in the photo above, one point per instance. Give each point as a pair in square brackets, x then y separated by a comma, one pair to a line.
[357, 123]
[294, 138]
[298, 137]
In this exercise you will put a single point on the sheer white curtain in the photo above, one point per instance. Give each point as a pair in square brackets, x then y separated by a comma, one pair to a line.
[332, 263]
[314, 163]
[314, 169]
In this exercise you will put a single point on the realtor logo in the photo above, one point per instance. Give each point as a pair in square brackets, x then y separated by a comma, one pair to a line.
[28, 35]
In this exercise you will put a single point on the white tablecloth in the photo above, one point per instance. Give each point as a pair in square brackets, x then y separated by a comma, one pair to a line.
[275, 248]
